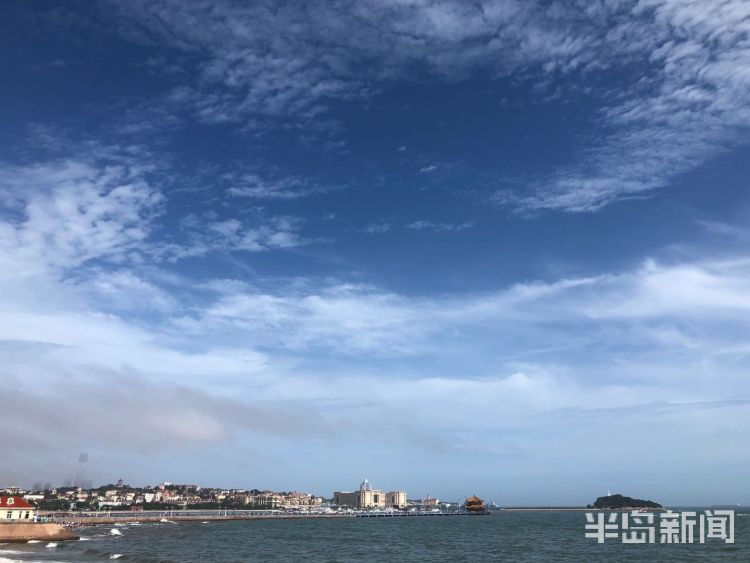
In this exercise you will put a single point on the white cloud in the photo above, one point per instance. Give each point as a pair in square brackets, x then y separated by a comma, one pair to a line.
[123, 291]
[64, 213]
[67, 212]
[227, 359]
[252, 185]
[728, 230]
[712, 290]
[230, 235]
[423, 225]
[650, 312]
[346, 318]
[377, 228]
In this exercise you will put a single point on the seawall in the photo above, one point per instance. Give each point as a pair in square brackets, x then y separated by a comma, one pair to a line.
[23, 532]
[76, 520]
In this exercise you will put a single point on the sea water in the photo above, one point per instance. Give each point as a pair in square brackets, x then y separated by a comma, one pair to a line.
[505, 536]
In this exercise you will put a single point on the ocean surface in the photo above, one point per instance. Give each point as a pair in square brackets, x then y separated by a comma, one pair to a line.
[505, 536]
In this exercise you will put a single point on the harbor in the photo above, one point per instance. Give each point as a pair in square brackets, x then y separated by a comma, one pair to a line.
[121, 506]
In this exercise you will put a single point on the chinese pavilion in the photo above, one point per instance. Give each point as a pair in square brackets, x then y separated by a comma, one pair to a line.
[475, 505]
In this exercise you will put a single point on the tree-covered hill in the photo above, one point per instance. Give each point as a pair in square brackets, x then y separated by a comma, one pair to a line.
[620, 501]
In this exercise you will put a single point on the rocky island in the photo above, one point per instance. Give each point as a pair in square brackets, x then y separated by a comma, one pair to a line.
[620, 502]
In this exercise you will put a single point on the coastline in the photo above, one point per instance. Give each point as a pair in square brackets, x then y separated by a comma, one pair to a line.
[75, 520]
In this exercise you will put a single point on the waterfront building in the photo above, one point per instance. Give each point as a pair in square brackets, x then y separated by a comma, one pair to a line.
[475, 505]
[367, 497]
[16, 508]
[267, 500]
[396, 499]
[300, 500]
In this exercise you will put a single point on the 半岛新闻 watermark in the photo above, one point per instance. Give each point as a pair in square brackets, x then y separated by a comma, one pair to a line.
[672, 527]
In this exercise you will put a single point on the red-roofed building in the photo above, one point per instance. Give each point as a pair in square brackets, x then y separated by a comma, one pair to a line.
[16, 508]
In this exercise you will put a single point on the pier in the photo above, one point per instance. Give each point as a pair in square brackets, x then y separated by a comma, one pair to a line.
[418, 514]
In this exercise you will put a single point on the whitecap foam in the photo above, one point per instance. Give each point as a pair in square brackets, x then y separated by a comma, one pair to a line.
[115, 556]
[52, 544]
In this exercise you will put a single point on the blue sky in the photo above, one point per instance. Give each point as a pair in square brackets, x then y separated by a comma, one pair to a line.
[494, 247]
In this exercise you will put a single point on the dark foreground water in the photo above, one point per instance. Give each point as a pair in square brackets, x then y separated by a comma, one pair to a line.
[506, 536]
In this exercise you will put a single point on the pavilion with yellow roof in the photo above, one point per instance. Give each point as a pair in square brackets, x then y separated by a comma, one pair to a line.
[475, 505]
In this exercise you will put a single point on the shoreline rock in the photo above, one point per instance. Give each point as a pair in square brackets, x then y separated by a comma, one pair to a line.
[15, 532]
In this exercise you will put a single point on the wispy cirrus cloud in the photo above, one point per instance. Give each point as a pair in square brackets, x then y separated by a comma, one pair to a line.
[250, 68]
[687, 108]
[253, 185]
[383, 226]
[679, 68]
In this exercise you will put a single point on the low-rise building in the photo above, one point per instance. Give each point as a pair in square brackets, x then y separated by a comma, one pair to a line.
[12, 491]
[16, 508]
[267, 500]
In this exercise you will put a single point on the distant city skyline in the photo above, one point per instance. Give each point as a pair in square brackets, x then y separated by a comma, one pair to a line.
[491, 247]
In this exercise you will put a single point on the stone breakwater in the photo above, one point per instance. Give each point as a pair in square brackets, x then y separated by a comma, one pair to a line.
[79, 520]
[23, 532]
[74, 520]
